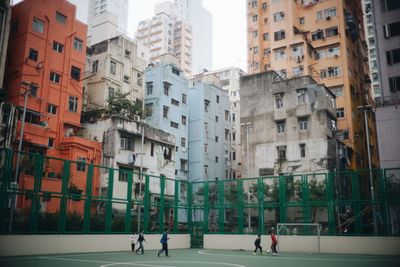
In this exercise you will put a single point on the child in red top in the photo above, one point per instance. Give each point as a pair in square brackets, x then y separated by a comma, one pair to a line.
[274, 243]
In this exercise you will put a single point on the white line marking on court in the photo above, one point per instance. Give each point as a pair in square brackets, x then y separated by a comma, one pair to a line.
[67, 259]
[192, 262]
[205, 252]
[89, 254]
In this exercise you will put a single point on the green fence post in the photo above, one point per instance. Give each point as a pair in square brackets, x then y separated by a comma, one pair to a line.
[282, 203]
[176, 205]
[260, 196]
[146, 204]
[162, 204]
[384, 200]
[109, 201]
[64, 197]
[331, 201]
[240, 197]
[221, 204]
[206, 207]
[36, 196]
[189, 207]
[128, 219]
[88, 195]
[357, 207]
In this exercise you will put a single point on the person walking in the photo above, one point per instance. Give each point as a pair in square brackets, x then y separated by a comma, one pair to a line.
[141, 240]
[134, 238]
[257, 244]
[274, 243]
[164, 243]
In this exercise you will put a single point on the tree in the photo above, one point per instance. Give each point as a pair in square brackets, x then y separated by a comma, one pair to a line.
[118, 103]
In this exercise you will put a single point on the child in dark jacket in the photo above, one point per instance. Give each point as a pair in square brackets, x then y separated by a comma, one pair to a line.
[164, 243]
[257, 244]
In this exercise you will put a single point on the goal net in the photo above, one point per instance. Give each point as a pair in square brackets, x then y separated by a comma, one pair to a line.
[299, 237]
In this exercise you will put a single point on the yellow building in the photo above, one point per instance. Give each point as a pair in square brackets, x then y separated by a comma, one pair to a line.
[324, 39]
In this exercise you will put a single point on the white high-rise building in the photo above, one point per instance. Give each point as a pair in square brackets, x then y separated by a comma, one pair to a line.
[106, 19]
[163, 34]
[201, 21]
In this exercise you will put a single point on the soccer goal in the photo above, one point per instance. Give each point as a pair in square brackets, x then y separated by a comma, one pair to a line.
[300, 237]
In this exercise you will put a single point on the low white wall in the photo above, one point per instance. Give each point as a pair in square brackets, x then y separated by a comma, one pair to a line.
[14, 245]
[328, 244]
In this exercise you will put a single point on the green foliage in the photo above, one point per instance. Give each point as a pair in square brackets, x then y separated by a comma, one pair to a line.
[119, 104]
[74, 222]
[48, 221]
[97, 223]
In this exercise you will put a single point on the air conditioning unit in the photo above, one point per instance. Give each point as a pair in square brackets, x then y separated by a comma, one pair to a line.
[136, 118]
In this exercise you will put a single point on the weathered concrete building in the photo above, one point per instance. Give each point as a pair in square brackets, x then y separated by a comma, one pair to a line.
[290, 125]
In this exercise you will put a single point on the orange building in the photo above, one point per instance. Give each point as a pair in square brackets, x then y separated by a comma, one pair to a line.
[47, 50]
[324, 39]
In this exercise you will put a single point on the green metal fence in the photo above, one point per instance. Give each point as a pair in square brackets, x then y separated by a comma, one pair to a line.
[55, 196]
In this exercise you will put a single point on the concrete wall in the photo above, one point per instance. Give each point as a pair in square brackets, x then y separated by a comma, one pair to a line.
[329, 244]
[14, 245]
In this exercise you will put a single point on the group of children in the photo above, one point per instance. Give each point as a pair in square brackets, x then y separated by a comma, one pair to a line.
[139, 238]
[274, 242]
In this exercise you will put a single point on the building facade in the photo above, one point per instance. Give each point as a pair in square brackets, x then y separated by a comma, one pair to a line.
[200, 19]
[115, 64]
[387, 23]
[166, 108]
[290, 125]
[322, 39]
[45, 68]
[229, 81]
[164, 34]
[209, 133]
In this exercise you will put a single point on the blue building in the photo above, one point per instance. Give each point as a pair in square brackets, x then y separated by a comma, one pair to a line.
[209, 133]
[166, 108]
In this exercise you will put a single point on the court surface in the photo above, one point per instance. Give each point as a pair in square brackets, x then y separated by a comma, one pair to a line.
[197, 258]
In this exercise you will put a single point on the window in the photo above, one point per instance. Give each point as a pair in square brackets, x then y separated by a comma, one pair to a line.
[78, 44]
[127, 142]
[255, 17]
[183, 142]
[317, 35]
[127, 79]
[226, 115]
[123, 174]
[233, 136]
[95, 66]
[302, 150]
[50, 142]
[205, 148]
[227, 134]
[166, 88]
[340, 112]
[389, 5]
[267, 52]
[298, 71]
[206, 170]
[113, 67]
[61, 18]
[52, 109]
[392, 29]
[255, 50]
[73, 104]
[280, 54]
[393, 56]
[281, 152]
[184, 99]
[233, 155]
[206, 105]
[174, 125]
[301, 96]
[139, 78]
[330, 72]
[165, 111]
[174, 102]
[176, 71]
[55, 77]
[75, 73]
[152, 149]
[217, 99]
[279, 16]
[58, 47]
[206, 127]
[38, 25]
[337, 90]
[331, 32]
[233, 117]
[216, 139]
[216, 118]
[265, 36]
[280, 126]
[110, 92]
[15, 26]
[255, 34]
[33, 54]
[394, 84]
[216, 159]
[279, 35]
[264, 6]
[279, 100]
[253, 3]
[33, 88]
[81, 164]
[149, 88]
[302, 20]
[303, 123]
[183, 120]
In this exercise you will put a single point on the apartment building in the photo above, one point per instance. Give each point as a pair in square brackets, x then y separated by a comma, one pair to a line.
[166, 108]
[45, 69]
[209, 133]
[387, 23]
[290, 126]
[115, 64]
[164, 34]
[322, 39]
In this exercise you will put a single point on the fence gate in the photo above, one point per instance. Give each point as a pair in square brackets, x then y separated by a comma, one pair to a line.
[196, 237]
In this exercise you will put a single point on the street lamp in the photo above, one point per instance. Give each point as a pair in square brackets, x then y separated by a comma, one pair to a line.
[365, 109]
[27, 86]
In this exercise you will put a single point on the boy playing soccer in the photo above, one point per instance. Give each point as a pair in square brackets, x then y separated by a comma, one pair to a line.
[274, 243]
[257, 244]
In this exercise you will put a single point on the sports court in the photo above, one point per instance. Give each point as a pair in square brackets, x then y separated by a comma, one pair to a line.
[196, 257]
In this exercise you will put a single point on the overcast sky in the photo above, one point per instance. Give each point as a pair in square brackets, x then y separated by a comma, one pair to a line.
[229, 29]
